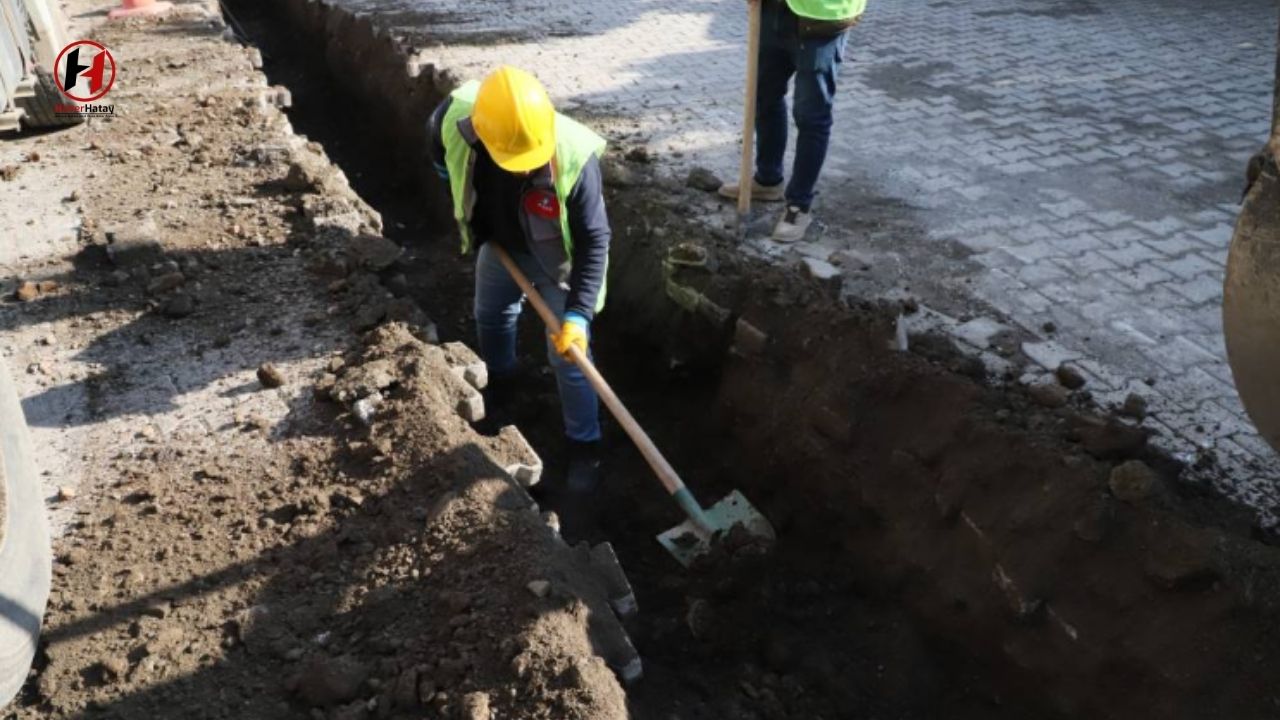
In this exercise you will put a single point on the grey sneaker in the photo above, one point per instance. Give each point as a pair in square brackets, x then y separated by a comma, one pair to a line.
[763, 193]
[792, 225]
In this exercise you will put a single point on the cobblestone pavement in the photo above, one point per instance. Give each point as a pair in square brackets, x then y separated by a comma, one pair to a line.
[1011, 163]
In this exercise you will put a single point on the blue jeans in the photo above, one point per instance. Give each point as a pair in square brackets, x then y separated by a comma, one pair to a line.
[497, 307]
[814, 62]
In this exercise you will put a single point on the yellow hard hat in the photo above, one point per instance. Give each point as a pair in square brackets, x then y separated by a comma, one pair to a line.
[515, 120]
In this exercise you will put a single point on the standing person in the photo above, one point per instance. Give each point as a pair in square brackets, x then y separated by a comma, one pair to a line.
[804, 38]
[528, 179]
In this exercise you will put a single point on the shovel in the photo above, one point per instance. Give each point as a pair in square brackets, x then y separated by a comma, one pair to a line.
[692, 538]
[745, 170]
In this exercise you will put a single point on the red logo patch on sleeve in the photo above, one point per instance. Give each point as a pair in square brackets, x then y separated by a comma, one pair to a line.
[542, 204]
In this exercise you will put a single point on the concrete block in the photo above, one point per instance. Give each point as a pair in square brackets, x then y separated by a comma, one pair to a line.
[518, 457]
[820, 269]
[621, 597]
[471, 406]
[979, 331]
[466, 365]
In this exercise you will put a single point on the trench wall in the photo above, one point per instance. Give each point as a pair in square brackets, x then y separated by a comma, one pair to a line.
[993, 520]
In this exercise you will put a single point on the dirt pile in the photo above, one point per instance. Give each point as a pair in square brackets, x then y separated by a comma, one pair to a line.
[273, 524]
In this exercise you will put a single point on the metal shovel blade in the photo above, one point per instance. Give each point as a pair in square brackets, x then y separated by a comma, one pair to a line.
[686, 542]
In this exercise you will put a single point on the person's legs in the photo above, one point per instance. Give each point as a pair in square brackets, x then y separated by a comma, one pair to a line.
[497, 308]
[578, 400]
[817, 64]
[776, 69]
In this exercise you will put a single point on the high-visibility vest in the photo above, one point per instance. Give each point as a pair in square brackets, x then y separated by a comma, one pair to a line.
[832, 10]
[576, 144]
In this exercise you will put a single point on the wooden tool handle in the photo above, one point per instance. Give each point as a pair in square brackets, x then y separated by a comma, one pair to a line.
[745, 172]
[667, 474]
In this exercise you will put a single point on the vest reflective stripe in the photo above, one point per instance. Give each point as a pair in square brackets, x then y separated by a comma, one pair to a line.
[828, 9]
[575, 145]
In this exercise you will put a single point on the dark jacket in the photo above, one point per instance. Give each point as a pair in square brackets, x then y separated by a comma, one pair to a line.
[496, 216]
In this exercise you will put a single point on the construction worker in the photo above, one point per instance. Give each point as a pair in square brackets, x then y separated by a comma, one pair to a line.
[528, 179]
[804, 38]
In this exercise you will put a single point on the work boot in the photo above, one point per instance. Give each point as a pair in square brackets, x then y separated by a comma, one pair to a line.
[499, 397]
[584, 473]
[792, 225]
[763, 193]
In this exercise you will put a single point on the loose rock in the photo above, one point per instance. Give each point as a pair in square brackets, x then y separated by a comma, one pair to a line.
[113, 669]
[475, 706]
[1048, 394]
[270, 376]
[539, 588]
[27, 291]
[166, 282]
[1135, 406]
[1132, 481]
[1070, 377]
[701, 178]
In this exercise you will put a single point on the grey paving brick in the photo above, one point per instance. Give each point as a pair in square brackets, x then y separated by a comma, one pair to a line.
[1199, 289]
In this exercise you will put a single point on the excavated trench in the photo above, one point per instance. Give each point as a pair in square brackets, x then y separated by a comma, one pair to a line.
[947, 547]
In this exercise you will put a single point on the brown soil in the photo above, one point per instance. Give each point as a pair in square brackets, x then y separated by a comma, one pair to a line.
[245, 565]
[947, 547]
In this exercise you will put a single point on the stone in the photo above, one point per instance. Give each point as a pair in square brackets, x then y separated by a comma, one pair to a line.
[1132, 481]
[820, 269]
[366, 408]
[113, 669]
[1070, 377]
[135, 245]
[300, 179]
[66, 493]
[325, 681]
[270, 376]
[701, 178]
[1108, 440]
[475, 706]
[180, 305]
[1135, 406]
[1047, 394]
[27, 291]
[374, 252]
[539, 588]
[166, 282]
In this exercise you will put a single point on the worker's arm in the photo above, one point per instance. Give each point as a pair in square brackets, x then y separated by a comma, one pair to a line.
[437, 139]
[589, 225]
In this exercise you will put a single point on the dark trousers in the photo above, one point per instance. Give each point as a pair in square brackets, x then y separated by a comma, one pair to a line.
[814, 63]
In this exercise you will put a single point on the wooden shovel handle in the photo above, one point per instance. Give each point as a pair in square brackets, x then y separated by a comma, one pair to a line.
[745, 174]
[667, 474]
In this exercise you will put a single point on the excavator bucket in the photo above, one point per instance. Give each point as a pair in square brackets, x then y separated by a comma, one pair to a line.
[1251, 304]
